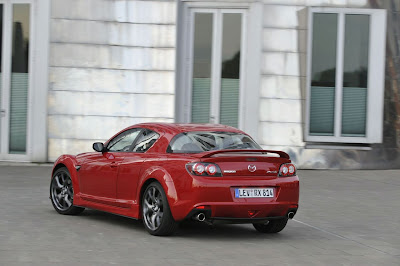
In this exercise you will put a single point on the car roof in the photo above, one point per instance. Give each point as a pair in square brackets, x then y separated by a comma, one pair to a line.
[179, 128]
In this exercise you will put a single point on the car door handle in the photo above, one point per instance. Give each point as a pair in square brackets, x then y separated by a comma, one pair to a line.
[113, 164]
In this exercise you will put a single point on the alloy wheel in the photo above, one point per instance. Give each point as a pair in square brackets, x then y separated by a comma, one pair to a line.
[153, 208]
[62, 192]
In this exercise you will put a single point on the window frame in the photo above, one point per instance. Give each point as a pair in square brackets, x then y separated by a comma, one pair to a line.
[376, 76]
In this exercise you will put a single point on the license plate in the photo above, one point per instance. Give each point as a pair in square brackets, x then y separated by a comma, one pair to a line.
[254, 192]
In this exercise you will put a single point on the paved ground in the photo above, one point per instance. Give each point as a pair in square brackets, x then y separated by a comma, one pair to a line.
[345, 218]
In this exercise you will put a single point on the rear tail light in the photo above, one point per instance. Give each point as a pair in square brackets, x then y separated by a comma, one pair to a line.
[211, 169]
[198, 168]
[287, 169]
[203, 169]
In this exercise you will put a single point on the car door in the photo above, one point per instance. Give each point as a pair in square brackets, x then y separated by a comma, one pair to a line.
[132, 166]
[98, 174]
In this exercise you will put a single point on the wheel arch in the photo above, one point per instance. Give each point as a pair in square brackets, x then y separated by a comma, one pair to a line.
[161, 176]
[68, 161]
[58, 166]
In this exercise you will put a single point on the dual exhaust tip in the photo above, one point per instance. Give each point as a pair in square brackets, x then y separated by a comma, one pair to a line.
[201, 217]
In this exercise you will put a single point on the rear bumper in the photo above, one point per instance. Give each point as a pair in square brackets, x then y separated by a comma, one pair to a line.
[220, 203]
[234, 220]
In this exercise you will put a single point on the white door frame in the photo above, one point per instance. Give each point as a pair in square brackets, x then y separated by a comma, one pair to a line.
[251, 57]
[36, 142]
[215, 61]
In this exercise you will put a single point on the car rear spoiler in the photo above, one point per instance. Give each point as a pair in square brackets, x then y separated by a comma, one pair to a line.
[208, 154]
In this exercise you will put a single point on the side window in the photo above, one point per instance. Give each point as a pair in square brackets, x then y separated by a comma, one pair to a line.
[123, 141]
[145, 141]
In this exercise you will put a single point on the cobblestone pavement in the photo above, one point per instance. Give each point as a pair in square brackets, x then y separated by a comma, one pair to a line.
[345, 218]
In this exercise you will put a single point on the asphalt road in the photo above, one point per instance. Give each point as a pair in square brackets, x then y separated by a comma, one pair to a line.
[345, 218]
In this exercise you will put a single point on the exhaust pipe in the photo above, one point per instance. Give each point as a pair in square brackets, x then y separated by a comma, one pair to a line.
[290, 215]
[201, 217]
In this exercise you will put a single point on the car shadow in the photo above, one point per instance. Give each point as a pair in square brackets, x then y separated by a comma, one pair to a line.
[109, 218]
[190, 229]
[187, 229]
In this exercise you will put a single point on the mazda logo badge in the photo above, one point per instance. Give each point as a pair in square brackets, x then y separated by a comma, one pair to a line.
[252, 168]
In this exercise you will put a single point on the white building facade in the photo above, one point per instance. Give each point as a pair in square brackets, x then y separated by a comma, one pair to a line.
[317, 79]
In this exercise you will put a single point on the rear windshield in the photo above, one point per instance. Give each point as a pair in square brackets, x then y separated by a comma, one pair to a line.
[195, 142]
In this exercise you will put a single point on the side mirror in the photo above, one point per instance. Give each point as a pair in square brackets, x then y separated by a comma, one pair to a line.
[98, 146]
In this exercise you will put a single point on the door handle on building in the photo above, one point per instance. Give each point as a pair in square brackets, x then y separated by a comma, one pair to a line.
[3, 113]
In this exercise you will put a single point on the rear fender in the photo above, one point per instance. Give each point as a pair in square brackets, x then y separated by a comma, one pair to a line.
[160, 175]
[70, 162]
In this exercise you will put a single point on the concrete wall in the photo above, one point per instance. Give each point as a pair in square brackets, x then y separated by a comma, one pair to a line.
[112, 65]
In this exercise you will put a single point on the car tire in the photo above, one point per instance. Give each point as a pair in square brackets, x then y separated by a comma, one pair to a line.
[157, 217]
[273, 226]
[62, 193]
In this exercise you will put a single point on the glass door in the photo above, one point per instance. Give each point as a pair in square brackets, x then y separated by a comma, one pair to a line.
[15, 56]
[217, 66]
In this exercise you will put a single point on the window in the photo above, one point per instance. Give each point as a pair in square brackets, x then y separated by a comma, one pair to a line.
[145, 140]
[217, 46]
[24, 80]
[15, 41]
[345, 75]
[195, 142]
[123, 142]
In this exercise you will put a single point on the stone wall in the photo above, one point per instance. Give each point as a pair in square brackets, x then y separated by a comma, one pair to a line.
[112, 64]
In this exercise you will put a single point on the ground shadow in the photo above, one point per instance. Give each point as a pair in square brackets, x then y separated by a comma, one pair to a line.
[187, 229]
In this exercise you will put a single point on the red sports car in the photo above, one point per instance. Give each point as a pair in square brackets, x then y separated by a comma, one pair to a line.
[165, 173]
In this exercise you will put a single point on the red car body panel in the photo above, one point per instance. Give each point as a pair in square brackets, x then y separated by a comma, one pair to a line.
[114, 181]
